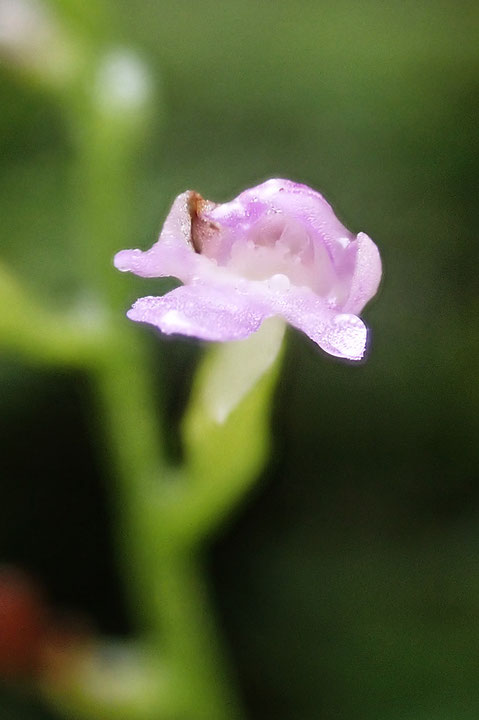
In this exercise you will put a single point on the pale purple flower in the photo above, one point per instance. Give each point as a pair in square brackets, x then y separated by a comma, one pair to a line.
[277, 249]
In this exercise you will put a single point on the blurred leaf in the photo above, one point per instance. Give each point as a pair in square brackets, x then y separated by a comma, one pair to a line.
[27, 327]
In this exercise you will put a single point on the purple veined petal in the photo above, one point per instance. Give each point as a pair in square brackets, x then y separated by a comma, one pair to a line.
[173, 254]
[207, 312]
[366, 275]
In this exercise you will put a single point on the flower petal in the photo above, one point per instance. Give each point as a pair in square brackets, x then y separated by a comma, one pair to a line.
[294, 201]
[339, 334]
[203, 311]
[366, 275]
[173, 253]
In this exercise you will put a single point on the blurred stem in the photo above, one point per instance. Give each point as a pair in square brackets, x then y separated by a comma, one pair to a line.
[89, 19]
[110, 109]
[104, 191]
[165, 584]
[130, 420]
[163, 581]
[190, 640]
[107, 127]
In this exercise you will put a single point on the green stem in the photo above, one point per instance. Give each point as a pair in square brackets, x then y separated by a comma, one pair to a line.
[190, 640]
[164, 579]
[133, 434]
[105, 197]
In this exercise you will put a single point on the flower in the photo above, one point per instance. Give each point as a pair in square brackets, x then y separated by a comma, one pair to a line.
[277, 249]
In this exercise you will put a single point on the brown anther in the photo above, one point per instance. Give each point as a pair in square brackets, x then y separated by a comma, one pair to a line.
[200, 229]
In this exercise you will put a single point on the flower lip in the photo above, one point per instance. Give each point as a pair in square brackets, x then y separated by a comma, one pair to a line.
[277, 249]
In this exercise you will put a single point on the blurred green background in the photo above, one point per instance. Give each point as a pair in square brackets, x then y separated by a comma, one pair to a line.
[348, 585]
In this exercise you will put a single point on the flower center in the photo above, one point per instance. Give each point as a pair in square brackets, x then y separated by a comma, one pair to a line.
[280, 246]
[262, 248]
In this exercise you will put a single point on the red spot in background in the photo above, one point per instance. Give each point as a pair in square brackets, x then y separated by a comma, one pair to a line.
[24, 620]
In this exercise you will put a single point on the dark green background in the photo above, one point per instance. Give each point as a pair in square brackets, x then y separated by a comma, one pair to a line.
[348, 585]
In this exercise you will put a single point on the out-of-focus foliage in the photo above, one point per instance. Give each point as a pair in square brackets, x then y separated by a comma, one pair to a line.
[349, 585]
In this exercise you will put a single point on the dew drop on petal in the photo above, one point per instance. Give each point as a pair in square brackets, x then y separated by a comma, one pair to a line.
[175, 320]
[279, 282]
[348, 336]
